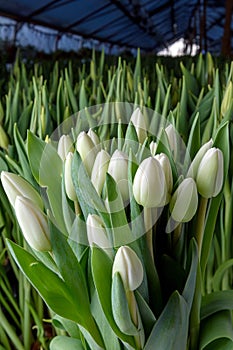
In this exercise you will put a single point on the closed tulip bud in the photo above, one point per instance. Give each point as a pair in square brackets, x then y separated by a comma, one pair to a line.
[210, 173]
[99, 170]
[153, 147]
[129, 266]
[87, 150]
[183, 204]
[65, 145]
[118, 169]
[4, 140]
[149, 184]
[227, 99]
[33, 223]
[96, 232]
[192, 172]
[69, 186]
[94, 137]
[139, 123]
[166, 166]
[172, 139]
[14, 186]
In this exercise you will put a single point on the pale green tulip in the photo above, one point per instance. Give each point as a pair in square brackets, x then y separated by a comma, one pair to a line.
[129, 266]
[100, 168]
[69, 186]
[14, 185]
[87, 150]
[149, 184]
[139, 123]
[96, 232]
[118, 169]
[65, 145]
[210, 173]
[33, 223]
[184, 202]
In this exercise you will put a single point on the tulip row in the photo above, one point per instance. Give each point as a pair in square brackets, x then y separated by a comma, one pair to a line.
[121, 177]
[137, 190]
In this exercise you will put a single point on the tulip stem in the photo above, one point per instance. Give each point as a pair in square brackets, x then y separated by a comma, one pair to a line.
[149, 231]
[133, 313]
[77, 208]
[201, 223]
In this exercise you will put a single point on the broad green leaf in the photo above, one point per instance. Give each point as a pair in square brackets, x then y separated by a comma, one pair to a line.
[189, 288]
[171, 329]
[21, 150]
[46, 167]
[109, 337]
[102, 276]
[70, 269]
[220, 344]
[216, 301]
[120, 307]
[147, 316]
[62, 342]
[119, 224]
[219, 274]
[69, 326]
[218, 325]
[194, 141]
[50, 286]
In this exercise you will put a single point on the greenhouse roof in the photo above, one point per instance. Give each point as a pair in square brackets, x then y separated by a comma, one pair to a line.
[150, 25]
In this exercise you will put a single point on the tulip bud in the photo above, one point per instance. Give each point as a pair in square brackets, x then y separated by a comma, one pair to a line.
[172, 139]
[149, 184]
[118, 169]
[99, 170]
[94, 137]
[210, 173]
[153, 147]
[139, 123]
[4, 140]
[192, 172]
[227, 99]
[33, 223]
[129, 266]
[65, 145]
[14, 186]
[166, 166]
[87, 150]
[183, 204]
[96, 232]
[69, 186]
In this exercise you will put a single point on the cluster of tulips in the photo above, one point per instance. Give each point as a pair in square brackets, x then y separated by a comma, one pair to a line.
[120, 174]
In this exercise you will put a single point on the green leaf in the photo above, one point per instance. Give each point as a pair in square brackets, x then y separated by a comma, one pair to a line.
[120, 307]
[119, 224]
[70, 269]
[147, 316]
[216, 326]
[49, 285]
[216, 301]
[88, 198]
[69, 326]
[23, 160]
[102, 276]
[171, 329]
[109, 337]
[61, 342]
[220, 344]
[42, 158]
[194, 141]
[189, 288]
[221, 141]
[219, 274]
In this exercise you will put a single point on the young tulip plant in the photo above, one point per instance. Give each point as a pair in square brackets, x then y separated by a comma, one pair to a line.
[120, 234]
